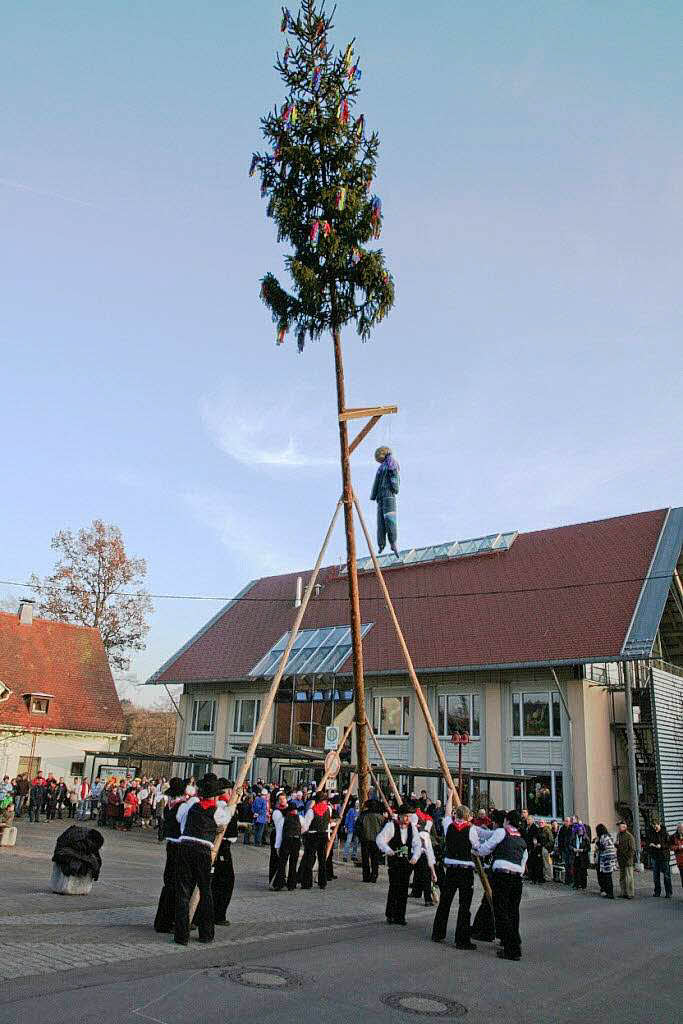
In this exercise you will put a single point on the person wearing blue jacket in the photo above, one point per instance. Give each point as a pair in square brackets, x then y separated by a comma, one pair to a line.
[350, 818]
[260, 811]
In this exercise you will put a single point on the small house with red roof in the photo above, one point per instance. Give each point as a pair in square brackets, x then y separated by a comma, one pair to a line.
[57, 696]
[523, 640]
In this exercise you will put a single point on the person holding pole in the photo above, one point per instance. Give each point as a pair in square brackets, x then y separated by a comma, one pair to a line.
[223, 877]
[315, 828]
[400, 842]
[290, 844]
[510, 855]
[462, 838]
[200, 819]
[368, 827]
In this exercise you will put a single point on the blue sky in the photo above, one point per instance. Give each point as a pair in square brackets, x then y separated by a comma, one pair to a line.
[531, 173]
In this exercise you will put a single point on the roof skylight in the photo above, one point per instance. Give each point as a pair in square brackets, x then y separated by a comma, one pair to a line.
[440, 552]
[314, 650]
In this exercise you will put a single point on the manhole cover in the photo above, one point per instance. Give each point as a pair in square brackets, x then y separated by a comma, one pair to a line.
[262, 977]
[424, 1004]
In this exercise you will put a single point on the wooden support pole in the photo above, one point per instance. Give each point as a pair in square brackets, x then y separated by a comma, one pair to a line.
[379, 790]
[330, 841]
[362, 434]
[387, 769]
[421, 699]
[326, 776]
[351, 566]
[270, 697]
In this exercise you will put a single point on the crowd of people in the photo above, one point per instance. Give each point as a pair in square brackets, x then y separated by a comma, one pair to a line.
[431, 852]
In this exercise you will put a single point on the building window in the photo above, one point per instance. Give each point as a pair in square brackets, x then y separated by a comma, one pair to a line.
[39, 705]
[391, 716]
[536, 714]
[246, 715]
[77, 769]
[459, 712]
[203, 715]
[542, 796]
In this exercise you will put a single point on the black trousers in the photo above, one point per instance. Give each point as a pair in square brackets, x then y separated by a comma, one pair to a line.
[458, 879]
[165, 916]
[222, 881]
[605, 882]
[193, 868]
[580, 871]
[273, 861]
[399, 879]
[507, 895]
[289, 856]
[369, 858]
[422, 880]
[315, 846]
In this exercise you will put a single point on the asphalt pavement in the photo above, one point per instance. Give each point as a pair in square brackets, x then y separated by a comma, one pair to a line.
[319, 955]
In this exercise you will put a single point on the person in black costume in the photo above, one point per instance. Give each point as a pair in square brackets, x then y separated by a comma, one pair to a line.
[223, 877]
[484, 927]
[199, 818]
[289, 848]
[400, 842]
[462, 839]
[509, 855]
[170, 831]
[315, 830]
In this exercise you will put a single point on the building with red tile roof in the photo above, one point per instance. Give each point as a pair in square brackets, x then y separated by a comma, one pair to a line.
[510, 635]
[57, 695]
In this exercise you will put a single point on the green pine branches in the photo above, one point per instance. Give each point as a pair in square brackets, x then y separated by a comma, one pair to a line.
[318, 182]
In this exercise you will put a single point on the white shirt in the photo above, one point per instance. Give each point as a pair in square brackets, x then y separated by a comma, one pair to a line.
[222, 816]
[474, 842]
[278, 822]
[497, 836]
[389, 831]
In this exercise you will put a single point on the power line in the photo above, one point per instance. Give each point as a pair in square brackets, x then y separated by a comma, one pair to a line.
[344, 599]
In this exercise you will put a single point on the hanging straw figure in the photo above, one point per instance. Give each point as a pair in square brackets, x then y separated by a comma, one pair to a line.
[384, 491]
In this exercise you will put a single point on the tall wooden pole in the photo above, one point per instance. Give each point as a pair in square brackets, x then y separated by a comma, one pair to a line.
[352, 572]
[387, 769]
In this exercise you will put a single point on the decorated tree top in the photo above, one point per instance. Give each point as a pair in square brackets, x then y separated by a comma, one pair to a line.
[318, 179]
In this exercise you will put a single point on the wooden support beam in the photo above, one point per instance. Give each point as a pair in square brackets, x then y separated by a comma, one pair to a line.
[270, 697]
[330, 841]
[387, 769]
[379, 790]
[419, 693]
[362, 434]
[372, 410]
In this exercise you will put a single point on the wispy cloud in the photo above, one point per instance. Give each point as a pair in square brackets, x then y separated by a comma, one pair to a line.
[281, 431]
[20, 187]
[239, 529]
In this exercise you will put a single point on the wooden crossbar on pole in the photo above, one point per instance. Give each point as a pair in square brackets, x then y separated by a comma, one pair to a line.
[370, 410]
[330, 841]
[386, 767]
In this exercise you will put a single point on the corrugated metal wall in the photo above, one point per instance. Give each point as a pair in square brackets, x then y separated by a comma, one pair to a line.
[667, 692]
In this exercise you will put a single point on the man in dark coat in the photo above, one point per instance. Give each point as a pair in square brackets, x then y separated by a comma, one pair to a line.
[384, 491]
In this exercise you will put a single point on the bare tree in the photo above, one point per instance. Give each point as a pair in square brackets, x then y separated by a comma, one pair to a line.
[95, 583]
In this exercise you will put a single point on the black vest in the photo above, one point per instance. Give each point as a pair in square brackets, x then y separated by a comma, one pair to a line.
[511, 849]
[291, 827]
[319, 823]
[231, 830]
[171, 826]
[458, 845]
[395, 841]
[199, 823]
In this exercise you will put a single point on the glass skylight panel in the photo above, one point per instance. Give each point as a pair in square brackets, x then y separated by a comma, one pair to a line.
[314, 650]
[434, 552]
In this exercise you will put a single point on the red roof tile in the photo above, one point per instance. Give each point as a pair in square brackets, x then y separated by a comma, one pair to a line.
[66, 661]
[565, 594]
